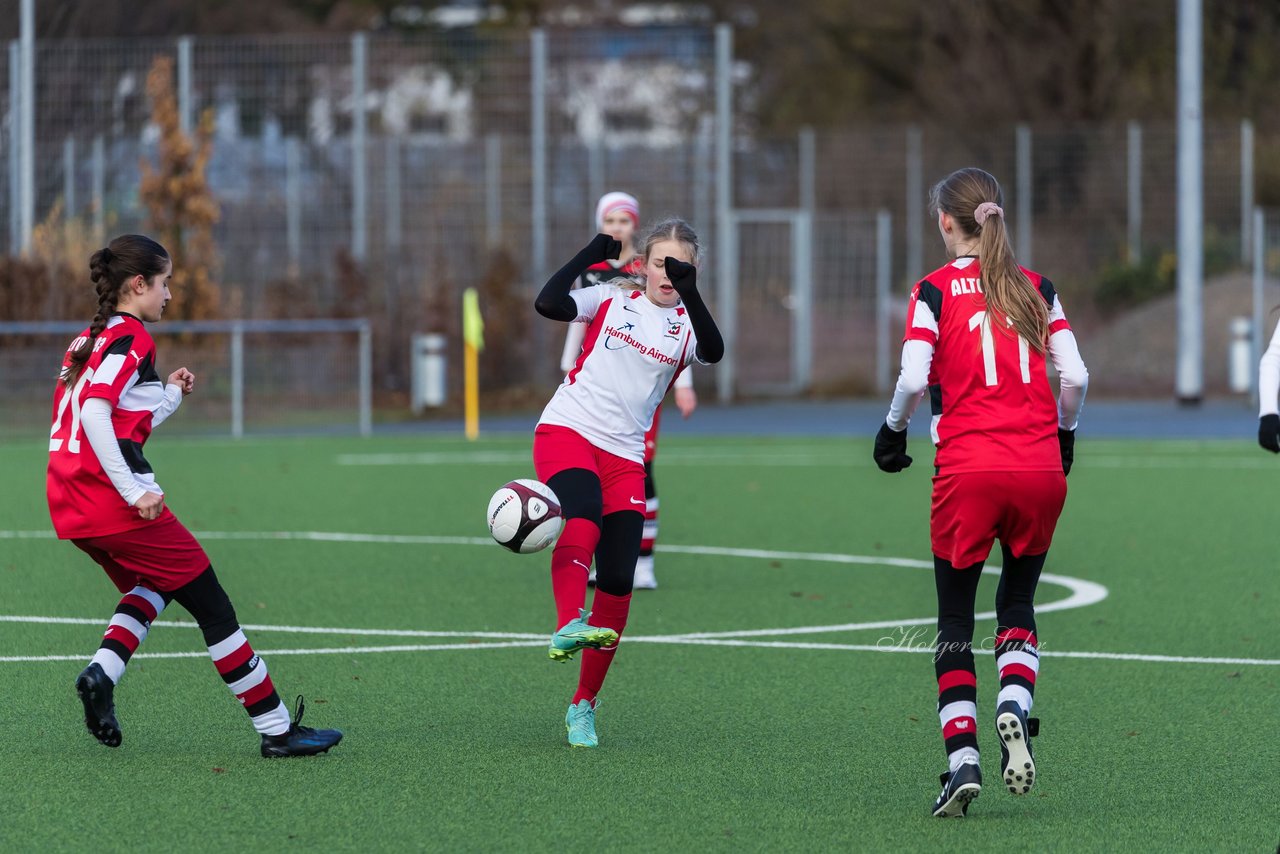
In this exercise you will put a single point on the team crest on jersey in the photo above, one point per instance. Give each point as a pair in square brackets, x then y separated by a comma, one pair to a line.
[674, 328]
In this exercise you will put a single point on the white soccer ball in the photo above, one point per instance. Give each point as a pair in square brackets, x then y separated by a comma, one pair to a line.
[524, 516]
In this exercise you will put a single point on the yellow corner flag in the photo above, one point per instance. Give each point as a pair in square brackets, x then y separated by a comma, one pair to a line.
[472, 322]
[473, 343]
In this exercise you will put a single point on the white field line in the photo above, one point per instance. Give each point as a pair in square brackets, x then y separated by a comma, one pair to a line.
[670, 639]
[1083, 593]
[803, 459]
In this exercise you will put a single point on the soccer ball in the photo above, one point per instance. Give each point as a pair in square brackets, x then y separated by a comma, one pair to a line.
[524, 516]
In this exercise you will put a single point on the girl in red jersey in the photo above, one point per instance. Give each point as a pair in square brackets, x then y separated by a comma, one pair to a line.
[103, 496]
[589, 443]
[978, 331]
[618, 215]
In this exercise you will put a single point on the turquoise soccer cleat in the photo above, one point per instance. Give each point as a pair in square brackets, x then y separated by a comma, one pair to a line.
[580, 721]
[577, 634]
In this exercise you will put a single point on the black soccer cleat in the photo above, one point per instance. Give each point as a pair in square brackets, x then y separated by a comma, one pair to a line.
[1017, 765]
[299, 740]
[959, 788]
[96, 692]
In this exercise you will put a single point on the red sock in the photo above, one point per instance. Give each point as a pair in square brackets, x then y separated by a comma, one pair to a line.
[570, 563]
[610, 612]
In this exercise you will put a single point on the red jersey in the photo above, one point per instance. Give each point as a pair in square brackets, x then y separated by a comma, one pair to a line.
[83, 501]
[993, 409]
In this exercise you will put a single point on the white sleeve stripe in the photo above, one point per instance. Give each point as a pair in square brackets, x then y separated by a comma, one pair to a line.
[108, 370]
[923, 319]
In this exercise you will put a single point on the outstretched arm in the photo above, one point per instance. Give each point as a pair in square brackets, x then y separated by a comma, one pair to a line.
[684, 278]
[553, 301]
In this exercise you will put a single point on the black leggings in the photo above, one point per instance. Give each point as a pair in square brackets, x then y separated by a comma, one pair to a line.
[205, 599]
[958, 590]
[620, 533]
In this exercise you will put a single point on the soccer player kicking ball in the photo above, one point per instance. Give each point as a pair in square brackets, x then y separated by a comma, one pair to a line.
[978, 330]
[618, 215]
[589, 443]
[103, 496]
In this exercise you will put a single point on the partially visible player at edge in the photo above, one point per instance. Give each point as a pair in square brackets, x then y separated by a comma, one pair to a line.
[103, 496]
[978, 330]
[618, 215]
[589, 443]
[1269, 395]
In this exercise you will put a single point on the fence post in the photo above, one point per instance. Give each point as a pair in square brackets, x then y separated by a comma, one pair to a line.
[359, 138]
[726, 281]
[1190, 190]
[99, 190]
[493, 188]
[68, 178]
[27, 149]
[802, 319]
[595, 177]
[702, 172]
[293, 199]
[237, 381]
[15, 148]
[391, 172]
[1259, 281]
[185, 106]
[1246, 189]
[366, 379]
[1023, 153]
[884, 273]
[1135, 193]
[915, 204]
[538, 144]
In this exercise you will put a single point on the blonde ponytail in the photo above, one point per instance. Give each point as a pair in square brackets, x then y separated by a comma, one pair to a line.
[972, 198]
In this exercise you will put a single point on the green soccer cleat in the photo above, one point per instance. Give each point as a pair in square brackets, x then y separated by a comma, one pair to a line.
[575, 635]
[580, 721]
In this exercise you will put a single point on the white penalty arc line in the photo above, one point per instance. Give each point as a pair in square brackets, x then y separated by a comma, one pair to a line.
[670, 639]
[797, 459]
[1083, 593]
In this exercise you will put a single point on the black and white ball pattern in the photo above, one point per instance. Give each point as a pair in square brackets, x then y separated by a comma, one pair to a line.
[524, 516]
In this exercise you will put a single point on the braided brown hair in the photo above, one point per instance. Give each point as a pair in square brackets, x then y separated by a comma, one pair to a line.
[127, 256]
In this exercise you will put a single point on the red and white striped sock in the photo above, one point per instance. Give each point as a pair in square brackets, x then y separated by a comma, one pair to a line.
[958, 714]
[127, 630]
[1018, 660]
[246, 675]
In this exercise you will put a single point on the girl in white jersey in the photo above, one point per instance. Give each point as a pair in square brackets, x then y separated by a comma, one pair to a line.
[589, 443]
[618, 215]
[1269, 396]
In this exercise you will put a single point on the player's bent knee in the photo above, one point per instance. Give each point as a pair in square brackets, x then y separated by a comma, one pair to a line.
[579, 494]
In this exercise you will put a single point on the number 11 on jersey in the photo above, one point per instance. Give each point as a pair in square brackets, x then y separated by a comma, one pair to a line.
[982, 321]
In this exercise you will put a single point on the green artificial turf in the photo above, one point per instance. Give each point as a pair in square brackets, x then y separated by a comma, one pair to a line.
[774, 742]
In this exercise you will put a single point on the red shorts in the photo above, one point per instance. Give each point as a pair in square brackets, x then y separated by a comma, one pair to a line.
[557, 449]
[651, 438]
[162, 556]
[971, 510]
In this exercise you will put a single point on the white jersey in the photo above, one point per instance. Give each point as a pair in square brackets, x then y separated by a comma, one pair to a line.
[630, 357]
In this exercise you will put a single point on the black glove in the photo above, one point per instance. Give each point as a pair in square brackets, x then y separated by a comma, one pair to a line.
[1067, 444]
[1269, 433]
[891, 449]
[684, 277]
[601, 248]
